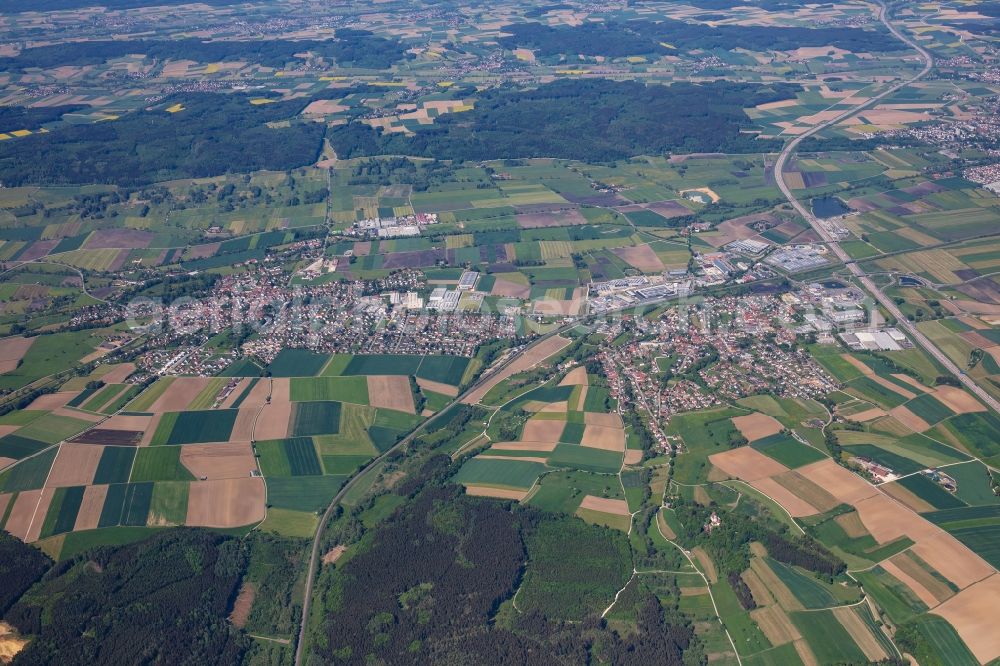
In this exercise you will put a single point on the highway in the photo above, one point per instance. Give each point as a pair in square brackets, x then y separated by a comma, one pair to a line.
[854, 267]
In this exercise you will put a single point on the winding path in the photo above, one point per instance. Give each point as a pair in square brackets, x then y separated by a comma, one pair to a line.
[855, 268]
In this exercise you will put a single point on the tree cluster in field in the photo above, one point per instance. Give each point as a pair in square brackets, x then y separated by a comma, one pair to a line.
[645, 37]
[214, 134]
[593, 120]
[159, 601]
[742, 590]
[355, 48]
[399, 170]
[729, 543]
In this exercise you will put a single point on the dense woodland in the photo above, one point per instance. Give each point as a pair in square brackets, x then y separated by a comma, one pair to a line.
[214, 134]
[430, 585]
[357, 48]
[20, 567]
[163, 600]
[647, 37]
[590, 120]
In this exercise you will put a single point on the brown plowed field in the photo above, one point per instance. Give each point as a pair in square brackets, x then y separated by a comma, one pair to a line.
[608, 420]
[789, 501]
[179, 394]
[13, 350]
[436, 387]
[75, 465]
[972, 613]
[613, 506]
[542, 430]
[633, 456]
[757, 426]
[234, 460]
[775, 625]
[867, 415]
[842, 484]
[804, 488]
[909, 419]
[226, 502]
[90, 509]
[600, 437]
[958, 400]
[51, 401]
[641, 257]
[860, 633]
[38, 519]
[120, 422]
[524, 446]
[746, 463]
[887, 520]
[952, 559]
[21, 513]
[273, 421]
[257, 396]
[243, 427]
[391, 392]
[575, 377]
[119, 373]
[500, 493]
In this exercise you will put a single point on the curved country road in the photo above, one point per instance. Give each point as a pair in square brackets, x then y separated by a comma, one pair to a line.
[854, 267]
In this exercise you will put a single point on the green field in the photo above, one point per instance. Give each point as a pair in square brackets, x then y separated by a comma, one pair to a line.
[938, 643]
[444, 369]
[303, 493]
[892, 596]
[17, 447]
[290, 523]
[563, 491]
[63, 509]
[897, 463]
[168, 505]
[877, 393]
[146, 399]
[315, 418]
[341, 389]
[978, 431]
[382, 364]
[49, 354]
[787, 450]
[974, 483]
[930, 492]
[195, 427]
[28, 475]
[929, 408]
[297, 363]
[503, 473]
[810, 592]
[115, 465]
[978, 527]
[585, 458]
[159, 463]
[289, 457]
[53, 428]
[827, 638]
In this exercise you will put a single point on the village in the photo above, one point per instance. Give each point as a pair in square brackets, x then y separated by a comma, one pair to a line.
[721, 350]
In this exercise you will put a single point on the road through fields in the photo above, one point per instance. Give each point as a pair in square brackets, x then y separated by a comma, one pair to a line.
[854, 267]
